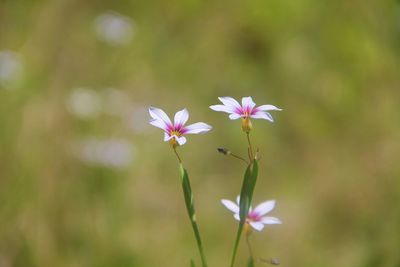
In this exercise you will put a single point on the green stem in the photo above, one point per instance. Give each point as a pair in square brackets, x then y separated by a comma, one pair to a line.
[250, 147]
[177, 155]
[239, 232]
[249, 246]
[199, 244]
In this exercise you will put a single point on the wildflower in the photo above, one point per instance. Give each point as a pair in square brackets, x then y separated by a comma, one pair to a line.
[245, 111]
[173, 132]
[255, 218]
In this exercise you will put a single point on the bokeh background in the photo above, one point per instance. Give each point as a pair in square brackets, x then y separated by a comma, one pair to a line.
[85, 181]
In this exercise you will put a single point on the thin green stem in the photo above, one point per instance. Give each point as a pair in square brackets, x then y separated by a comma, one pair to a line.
[250, 147]
[199, 243]
[236, 244]
[239, 157]
[177, 155]
[249, 246]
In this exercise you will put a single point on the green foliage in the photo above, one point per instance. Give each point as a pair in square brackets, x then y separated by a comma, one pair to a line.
[188, 195]
[246, 195]
[330, 159]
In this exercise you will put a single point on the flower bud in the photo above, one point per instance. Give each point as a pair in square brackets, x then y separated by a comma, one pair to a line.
[223, 151]
[246, 124]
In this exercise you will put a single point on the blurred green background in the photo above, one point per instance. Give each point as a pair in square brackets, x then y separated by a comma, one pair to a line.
[85, 181]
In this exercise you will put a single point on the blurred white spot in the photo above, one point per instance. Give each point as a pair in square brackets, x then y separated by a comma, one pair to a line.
[137, 119]
[113, 153]
[115, 102]
[84, 103]
[114, 28]
[11, 67]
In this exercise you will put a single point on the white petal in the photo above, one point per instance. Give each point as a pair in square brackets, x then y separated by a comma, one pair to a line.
[265, 207]
[247, 102]
[262, 115]
[181, 117]
[223, 108]
[238, 200]
[196, 128]
[159, 124]
[159, 114]
[236, 216]
[168, 137]
[230, 102]
[230, 205]
[271, 220]
[257, 225]
[234, 116]
[181, 140]
[268, 107]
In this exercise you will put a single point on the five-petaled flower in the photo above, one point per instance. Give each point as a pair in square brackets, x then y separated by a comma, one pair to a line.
[245, 111]
[255, 218]
[173, 132]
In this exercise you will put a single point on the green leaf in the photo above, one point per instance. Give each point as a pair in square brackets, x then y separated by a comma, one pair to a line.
[246, 195]
[192, 263]
[188, 195]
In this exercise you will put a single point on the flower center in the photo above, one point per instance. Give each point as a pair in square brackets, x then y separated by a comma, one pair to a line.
[253, 217]
[175, 132]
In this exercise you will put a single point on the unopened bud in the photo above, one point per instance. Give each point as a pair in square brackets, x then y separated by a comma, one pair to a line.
[246, 124]
[223, 151]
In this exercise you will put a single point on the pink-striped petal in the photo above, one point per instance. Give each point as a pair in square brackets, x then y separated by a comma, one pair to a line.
[234, 116]
[181, 140]
[230, 102]
[262, 115]
[268, 107]
[159, 114]
[264, 207]
[196, 128]
[271, 220]
[168, 137]
[257, 225]
[181, 117]
[159, 124]
[248, 103]
[223, 108]
[230, 205]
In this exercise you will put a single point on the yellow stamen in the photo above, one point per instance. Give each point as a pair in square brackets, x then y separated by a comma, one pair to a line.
[173, 141]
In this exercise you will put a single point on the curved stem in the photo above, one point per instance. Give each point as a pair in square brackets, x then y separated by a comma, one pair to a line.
[239, 157]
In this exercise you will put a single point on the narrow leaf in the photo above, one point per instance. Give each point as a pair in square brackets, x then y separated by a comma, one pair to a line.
[192, 263]
[188, 195]
[246, 195]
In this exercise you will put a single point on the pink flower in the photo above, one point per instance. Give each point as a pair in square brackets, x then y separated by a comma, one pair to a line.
[247, 110]
[255, 217]
[173, 132]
